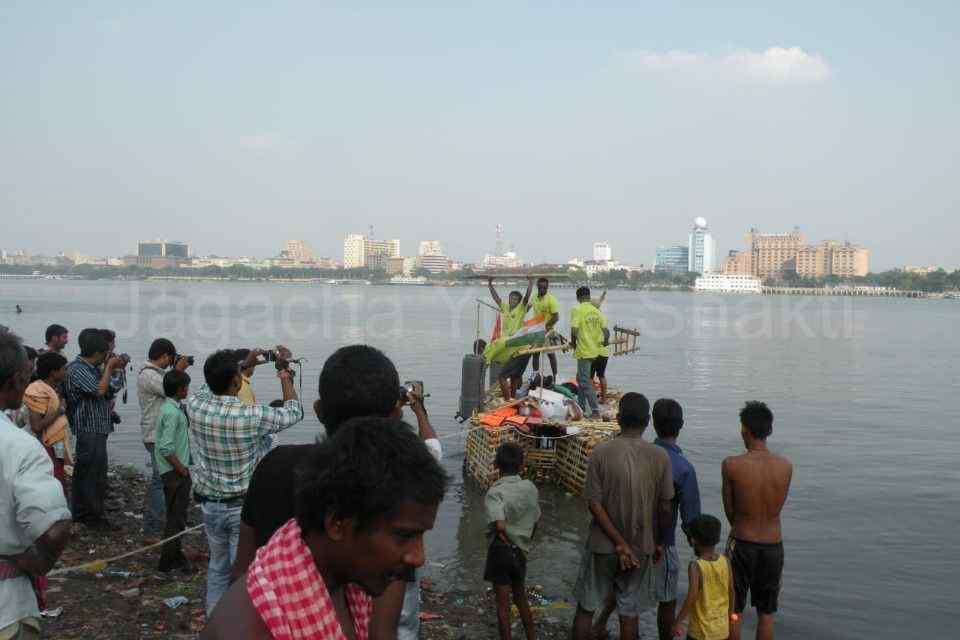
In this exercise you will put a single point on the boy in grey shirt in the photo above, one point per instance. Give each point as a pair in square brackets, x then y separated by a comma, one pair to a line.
[512, 514]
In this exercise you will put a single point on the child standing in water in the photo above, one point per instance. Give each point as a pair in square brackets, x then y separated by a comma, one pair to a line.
[513, 510]
[709, 602]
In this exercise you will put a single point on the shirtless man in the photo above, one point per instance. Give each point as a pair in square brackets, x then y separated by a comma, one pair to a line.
[755, 486]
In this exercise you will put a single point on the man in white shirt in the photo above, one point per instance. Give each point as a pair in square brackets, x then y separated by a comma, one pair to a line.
[34, 518]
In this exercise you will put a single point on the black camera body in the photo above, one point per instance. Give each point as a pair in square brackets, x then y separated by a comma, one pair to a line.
[412, 386]
[123, 356]
[190, 359]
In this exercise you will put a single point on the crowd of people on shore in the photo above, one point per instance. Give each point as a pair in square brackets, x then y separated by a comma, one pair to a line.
[325, 540]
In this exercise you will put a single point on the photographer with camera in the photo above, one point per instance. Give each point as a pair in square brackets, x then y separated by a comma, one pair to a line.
[225, 437]
[356, 381]
[248, 359]
[161, 357]
[87, 387]
[118, 381]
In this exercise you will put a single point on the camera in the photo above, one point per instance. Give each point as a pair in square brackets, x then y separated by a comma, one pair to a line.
[123, 356]
[271, 355]
[412, 387]
[189, 359]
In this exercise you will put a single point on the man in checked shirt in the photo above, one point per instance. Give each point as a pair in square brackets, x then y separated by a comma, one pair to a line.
[225, 444]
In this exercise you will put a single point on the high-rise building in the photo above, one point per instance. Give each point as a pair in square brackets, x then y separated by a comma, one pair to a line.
[602, 252]
[831, 258]
[774, 254]
[400, 266]
[150, 249]
[377, 252]
[162, 253]
[675, 259]
[701, 249]
[163, 249]
[362, 251]
[297, 251]
[434, 263]
[509, 260]
[353, 251]
[430, 248]
[738, 263]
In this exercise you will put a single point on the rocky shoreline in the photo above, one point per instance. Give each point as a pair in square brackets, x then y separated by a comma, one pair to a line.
[125, 600]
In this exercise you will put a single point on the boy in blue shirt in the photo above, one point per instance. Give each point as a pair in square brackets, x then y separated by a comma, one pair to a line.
[172, 456]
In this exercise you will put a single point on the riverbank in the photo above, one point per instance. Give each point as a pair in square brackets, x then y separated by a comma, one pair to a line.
[128, 599]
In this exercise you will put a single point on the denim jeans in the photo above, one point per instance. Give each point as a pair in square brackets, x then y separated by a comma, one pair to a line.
[409, 626]
[222, 524]
[153, 500]
[586, 394]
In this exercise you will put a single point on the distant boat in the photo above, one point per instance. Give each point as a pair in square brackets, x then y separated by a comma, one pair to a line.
[410, 281]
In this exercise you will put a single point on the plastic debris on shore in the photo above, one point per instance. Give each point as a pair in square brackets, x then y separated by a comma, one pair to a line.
[115, 573]
[176, 601]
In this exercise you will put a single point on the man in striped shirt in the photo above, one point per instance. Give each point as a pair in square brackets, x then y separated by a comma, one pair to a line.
[225, 438]
[86, 386]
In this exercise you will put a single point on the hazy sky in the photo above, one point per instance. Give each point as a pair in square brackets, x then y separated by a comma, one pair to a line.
[235, 126]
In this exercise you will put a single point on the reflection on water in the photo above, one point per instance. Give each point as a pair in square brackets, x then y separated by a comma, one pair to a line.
[863, 391]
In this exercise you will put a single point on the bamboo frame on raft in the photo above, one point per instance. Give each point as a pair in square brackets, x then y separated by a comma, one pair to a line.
[624, 342]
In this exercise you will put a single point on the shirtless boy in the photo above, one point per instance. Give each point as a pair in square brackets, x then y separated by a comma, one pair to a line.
[755, 486]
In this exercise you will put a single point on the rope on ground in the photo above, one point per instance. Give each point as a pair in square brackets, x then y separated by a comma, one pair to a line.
[95, 566]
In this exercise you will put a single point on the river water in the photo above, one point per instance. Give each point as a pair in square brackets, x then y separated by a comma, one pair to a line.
[864, 391]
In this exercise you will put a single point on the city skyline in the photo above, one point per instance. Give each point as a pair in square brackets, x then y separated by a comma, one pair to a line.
[698, 255]
[602, 251]
[575, 123]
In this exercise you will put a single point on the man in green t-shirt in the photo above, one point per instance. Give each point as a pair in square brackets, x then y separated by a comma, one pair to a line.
[546, 304]
[512, 314]
[588, 336]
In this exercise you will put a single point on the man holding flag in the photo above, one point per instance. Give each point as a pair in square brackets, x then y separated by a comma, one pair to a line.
[514, 333]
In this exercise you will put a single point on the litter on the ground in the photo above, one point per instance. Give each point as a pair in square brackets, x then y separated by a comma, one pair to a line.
[176, 601]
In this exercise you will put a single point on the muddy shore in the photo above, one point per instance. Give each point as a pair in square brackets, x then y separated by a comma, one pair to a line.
[126, 599]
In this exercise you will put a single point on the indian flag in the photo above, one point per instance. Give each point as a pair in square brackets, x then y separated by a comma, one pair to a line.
[501, 349]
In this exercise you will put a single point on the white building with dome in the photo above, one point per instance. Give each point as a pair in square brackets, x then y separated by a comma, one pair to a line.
[703, 248]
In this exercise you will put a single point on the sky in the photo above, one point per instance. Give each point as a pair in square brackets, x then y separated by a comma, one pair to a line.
[236, 126]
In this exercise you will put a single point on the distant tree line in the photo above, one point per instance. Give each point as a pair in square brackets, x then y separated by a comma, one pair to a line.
[235, 272]
[934, 282]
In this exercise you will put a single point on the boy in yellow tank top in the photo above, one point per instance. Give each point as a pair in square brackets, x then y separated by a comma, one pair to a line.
[709, 602]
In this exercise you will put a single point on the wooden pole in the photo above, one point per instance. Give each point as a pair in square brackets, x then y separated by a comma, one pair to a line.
[488, 305]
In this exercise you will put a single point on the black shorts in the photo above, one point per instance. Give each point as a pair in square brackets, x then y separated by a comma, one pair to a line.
[515, 367]
[506, 565]
[757, 568]
[599, 367]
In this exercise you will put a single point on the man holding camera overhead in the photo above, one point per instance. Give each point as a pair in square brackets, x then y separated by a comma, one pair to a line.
[162, 355]
[225, 438]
